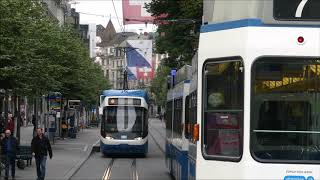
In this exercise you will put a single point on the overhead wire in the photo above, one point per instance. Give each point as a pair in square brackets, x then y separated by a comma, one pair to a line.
[114, 7]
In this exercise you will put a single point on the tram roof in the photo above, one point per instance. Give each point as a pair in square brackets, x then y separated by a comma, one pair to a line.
[134, 93]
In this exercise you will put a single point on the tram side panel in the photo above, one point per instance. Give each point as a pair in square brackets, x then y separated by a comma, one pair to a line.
[177, 143]
[250, 44]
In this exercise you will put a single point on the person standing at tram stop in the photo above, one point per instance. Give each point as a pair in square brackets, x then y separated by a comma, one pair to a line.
[9, 149]
[40, 146]
[10, 124]
[64, 128]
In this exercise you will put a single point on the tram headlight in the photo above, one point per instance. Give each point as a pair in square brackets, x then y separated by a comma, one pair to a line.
[109, 137]
[138, 138]
[113, 101]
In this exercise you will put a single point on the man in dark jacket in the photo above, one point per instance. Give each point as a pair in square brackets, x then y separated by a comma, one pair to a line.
[40, 146]
[9, 149]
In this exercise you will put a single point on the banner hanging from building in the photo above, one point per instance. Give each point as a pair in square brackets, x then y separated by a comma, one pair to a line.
[139, 59]
[135, 13]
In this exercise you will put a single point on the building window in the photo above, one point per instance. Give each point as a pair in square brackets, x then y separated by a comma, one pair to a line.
[223, 95]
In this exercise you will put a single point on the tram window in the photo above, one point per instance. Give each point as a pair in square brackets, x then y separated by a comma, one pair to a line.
[168, 117]
[223, 110]
[193, 119]
[177, 126]
[191, 115]
[129, 119]
[187, 117]
[296, 10]
[285, 113]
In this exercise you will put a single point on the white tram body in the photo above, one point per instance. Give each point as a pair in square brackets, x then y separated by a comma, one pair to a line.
[258, 97]
[124, 125]
[250, 43]
[239, 149]
[176, 141]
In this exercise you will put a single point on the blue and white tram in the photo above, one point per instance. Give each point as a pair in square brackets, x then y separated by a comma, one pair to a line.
[176, 136]
[258, 98]
[124, 125]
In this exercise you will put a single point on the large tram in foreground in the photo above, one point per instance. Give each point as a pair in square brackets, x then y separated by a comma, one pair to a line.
[258, 94]
[124, 125]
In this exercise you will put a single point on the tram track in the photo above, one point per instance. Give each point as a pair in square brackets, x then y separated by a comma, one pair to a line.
[107, 172]
[133, 170]
[155, 141]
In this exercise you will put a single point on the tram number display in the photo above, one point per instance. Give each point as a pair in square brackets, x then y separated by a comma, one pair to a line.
[302, 10]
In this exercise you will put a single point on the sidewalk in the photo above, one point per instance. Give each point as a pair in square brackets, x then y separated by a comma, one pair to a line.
[68, 155]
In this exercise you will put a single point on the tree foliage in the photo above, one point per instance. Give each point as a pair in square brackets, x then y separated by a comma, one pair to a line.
[38, 56]
[179, 26]
[159, 85]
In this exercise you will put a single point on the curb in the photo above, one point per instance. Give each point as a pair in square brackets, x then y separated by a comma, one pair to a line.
[76, 167]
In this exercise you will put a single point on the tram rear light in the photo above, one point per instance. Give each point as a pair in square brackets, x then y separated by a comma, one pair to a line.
[196, 132]
[300, 39]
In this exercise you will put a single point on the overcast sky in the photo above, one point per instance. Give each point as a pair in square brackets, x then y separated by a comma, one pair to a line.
[103, 10]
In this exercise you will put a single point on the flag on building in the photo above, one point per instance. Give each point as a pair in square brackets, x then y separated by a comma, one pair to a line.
[139, 59]
[134, 12]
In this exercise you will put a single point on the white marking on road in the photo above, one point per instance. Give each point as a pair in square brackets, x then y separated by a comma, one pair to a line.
[85, 148]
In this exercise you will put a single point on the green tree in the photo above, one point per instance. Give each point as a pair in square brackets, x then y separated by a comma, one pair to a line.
[159, 85]
[178, 31]
[38, 56]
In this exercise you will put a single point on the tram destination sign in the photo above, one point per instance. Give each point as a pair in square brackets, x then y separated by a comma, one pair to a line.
[296, 10]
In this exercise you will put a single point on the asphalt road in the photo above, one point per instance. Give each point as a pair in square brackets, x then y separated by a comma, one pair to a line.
[120, 168]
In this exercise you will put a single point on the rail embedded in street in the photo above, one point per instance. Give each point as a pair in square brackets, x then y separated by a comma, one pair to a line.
[134, 170]
[107, 173]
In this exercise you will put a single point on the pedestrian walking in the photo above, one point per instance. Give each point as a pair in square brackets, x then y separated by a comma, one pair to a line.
[2, 166]
[40, 146]
[64, 128]
[9, 149]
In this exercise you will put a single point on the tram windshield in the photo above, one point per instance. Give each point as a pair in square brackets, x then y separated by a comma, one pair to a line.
[285, 110]
[125, 120]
